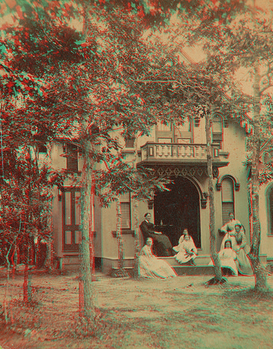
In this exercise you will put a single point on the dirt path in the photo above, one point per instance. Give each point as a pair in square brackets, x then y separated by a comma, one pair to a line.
[175, 313]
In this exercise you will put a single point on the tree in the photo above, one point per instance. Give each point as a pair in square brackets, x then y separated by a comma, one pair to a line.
[97, 70]
[246, 42]
[25, 185]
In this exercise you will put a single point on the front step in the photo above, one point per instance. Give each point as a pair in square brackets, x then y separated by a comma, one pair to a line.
[201, 267]
[194, 270]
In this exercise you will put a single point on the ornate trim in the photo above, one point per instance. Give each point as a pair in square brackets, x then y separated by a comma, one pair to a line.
[183, 171]
[189, 172]
[235, 182]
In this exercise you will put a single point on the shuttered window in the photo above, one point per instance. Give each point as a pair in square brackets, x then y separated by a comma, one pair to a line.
[72, 158]
[217, 131]
[71, 212]
[227, 199]
[125, 205]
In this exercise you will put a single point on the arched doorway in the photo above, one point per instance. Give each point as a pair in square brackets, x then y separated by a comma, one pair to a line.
[177, 209]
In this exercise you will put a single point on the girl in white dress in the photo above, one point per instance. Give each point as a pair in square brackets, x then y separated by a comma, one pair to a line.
[227, 257]
[186, 249]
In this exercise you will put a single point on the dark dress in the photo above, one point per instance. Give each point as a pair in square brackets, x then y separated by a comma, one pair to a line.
[162, 244]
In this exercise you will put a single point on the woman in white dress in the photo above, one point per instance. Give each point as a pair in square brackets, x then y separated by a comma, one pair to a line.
[227, 257]
[186, 249]
[152, 267]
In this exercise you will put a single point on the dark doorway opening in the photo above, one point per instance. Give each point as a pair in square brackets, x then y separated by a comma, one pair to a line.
[178, 209]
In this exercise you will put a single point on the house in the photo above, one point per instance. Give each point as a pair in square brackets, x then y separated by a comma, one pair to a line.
[178, 152]
[265, 210]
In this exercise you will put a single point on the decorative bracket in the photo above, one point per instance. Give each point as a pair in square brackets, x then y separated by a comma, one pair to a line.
[204, 200]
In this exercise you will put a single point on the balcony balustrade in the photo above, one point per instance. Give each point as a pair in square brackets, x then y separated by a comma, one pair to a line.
[180, 153]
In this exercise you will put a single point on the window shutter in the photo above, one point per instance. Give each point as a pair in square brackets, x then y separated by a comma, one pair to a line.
[271, 211]
[72, 158]
[227, 199]
[125, 215]
[227, 190]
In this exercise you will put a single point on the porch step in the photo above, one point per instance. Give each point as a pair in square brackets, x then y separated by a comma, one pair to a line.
[194, 270]
[203, 260]
[69, 262]
[201, 267]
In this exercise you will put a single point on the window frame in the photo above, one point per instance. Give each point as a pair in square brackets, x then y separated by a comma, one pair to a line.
[217, 136]
[269, 210]
[174, 135]
[225, 202]
[72, 225]
[72, 157]
[124, 200]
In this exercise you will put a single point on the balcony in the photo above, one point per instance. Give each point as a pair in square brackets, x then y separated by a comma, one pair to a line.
[177, 154]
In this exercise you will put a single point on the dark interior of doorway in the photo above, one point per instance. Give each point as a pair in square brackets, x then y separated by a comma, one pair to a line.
[178, 209]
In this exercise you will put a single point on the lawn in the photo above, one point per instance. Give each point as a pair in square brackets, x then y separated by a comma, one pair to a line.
[175, 313]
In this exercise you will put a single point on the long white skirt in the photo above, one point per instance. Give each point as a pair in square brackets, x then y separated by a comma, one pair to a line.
[227, 259]
[152, 267]
[184, 257]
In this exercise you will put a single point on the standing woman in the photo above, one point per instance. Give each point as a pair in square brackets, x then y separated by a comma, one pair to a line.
[242, 249]
[229, 230]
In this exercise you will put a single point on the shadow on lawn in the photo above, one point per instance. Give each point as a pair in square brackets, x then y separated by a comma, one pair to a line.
[247, 293]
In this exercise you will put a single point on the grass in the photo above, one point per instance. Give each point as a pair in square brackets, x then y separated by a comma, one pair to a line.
[178, 313]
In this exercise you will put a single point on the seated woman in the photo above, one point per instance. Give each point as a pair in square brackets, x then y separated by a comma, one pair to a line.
[227, 258]
[163, 246]
[151, 267]
[186, 249]
[242, 249]
[229, 230]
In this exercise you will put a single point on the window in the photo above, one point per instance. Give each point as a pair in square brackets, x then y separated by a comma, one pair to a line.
[164, 133]
[268, 157]
[125, 205]
[183, 133]
[42, 148]
[71, 211]
[227, 199]
[71, 158]
[175, 133]
[270, 210]
[130, 142]
[217, 131]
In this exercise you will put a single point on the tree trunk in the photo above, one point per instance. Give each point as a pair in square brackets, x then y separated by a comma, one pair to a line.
[27, 296]
[48, 263]
[137, 238]
[214, 254]
[85, 274]
[6, 294]
[258, 268]
[119, 237]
